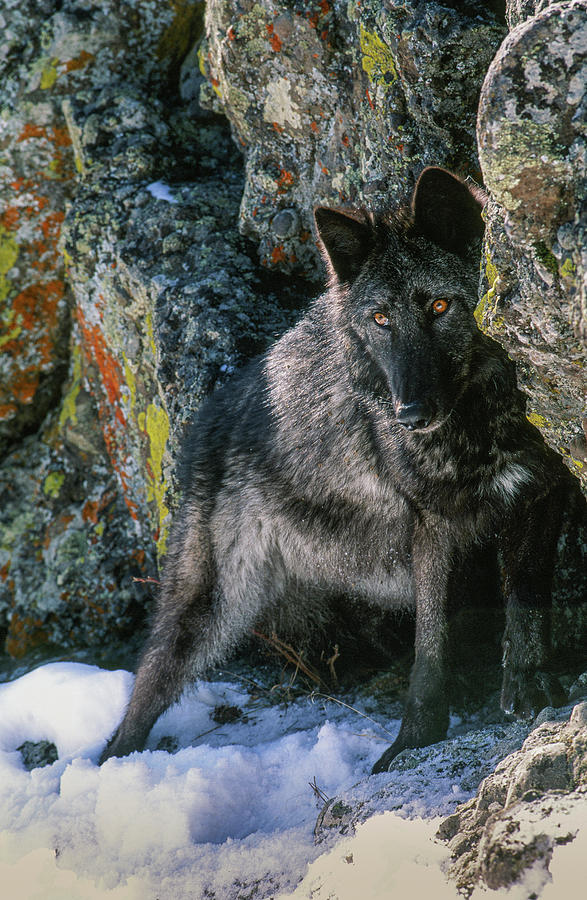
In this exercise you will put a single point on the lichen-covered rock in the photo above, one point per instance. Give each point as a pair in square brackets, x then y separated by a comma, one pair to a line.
[36, 754]
[68, 547]
[164, 289]
[165, 301]
[521, 810]
[337, 102]
[531, 132]
[519, 10]
[66, 561]
[48, 52]
[36, 174]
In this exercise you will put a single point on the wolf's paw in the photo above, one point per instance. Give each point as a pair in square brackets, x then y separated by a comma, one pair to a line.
[119, 745]
[382, 764]
[524, 694]
[410, 737]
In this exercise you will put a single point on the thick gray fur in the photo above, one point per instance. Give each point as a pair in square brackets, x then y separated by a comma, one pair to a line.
[367, 460]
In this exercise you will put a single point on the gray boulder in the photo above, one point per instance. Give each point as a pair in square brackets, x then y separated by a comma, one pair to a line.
[523, 810]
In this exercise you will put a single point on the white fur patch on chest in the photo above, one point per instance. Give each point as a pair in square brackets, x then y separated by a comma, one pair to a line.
[508, 482]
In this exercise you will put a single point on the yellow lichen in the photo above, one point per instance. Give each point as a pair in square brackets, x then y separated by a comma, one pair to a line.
[537, 420]
[49, 74]
[68, 411]
[377, 60]
[8, 257]
[488, 303]
[52, 484]
[202, 62]
[156, 424]
[10, 336]
[490, 271]
[568, 269]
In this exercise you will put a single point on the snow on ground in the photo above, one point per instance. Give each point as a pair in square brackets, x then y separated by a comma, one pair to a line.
[231, 812]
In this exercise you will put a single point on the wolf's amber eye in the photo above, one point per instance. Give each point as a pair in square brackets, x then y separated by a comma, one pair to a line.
[440, 306]
[381, 319]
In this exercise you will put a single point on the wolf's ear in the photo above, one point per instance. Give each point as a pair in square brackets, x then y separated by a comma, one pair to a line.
[346, 239]
[447, 212]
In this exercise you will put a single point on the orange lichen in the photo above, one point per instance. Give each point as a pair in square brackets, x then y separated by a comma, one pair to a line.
[7, 410]
[24, 634]
[109, 368]
[285, 181]
[80, 62]
[274, 38]
[90, 511]
[112, 419]
[34, 322]
[278, 255]
[315, 18]
[31, 333]
[31, 130]
[139, 556]
[25, 389]
[9, 218]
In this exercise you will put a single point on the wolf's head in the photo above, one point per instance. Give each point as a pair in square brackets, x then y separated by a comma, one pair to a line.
[403, 290]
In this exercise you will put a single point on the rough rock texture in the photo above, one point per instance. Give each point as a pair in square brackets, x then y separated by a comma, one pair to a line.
[336, 102]
[67, 552]
[128, 289]
[531, 135]
[521, 810]
[36, 754]
[167, 298]
[142, 337]
[36, 178]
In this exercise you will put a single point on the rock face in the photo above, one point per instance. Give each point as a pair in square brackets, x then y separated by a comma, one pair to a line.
[523, 809]
[531, 136]
[162, 301]
[339, 103]
[131, 229]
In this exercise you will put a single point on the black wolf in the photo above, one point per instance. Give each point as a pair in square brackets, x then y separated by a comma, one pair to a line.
[366, 454]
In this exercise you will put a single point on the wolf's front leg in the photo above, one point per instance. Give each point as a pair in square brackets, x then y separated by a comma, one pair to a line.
[425, 718]
[190, 631]
[528, 548]
[179, 644]
[164, 668]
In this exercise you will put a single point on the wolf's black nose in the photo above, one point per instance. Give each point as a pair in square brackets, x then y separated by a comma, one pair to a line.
[415, 415]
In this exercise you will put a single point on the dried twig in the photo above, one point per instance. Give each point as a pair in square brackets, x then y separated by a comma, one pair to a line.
[330, 663]
[318, 792]
[352, 708]
[292, 656]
